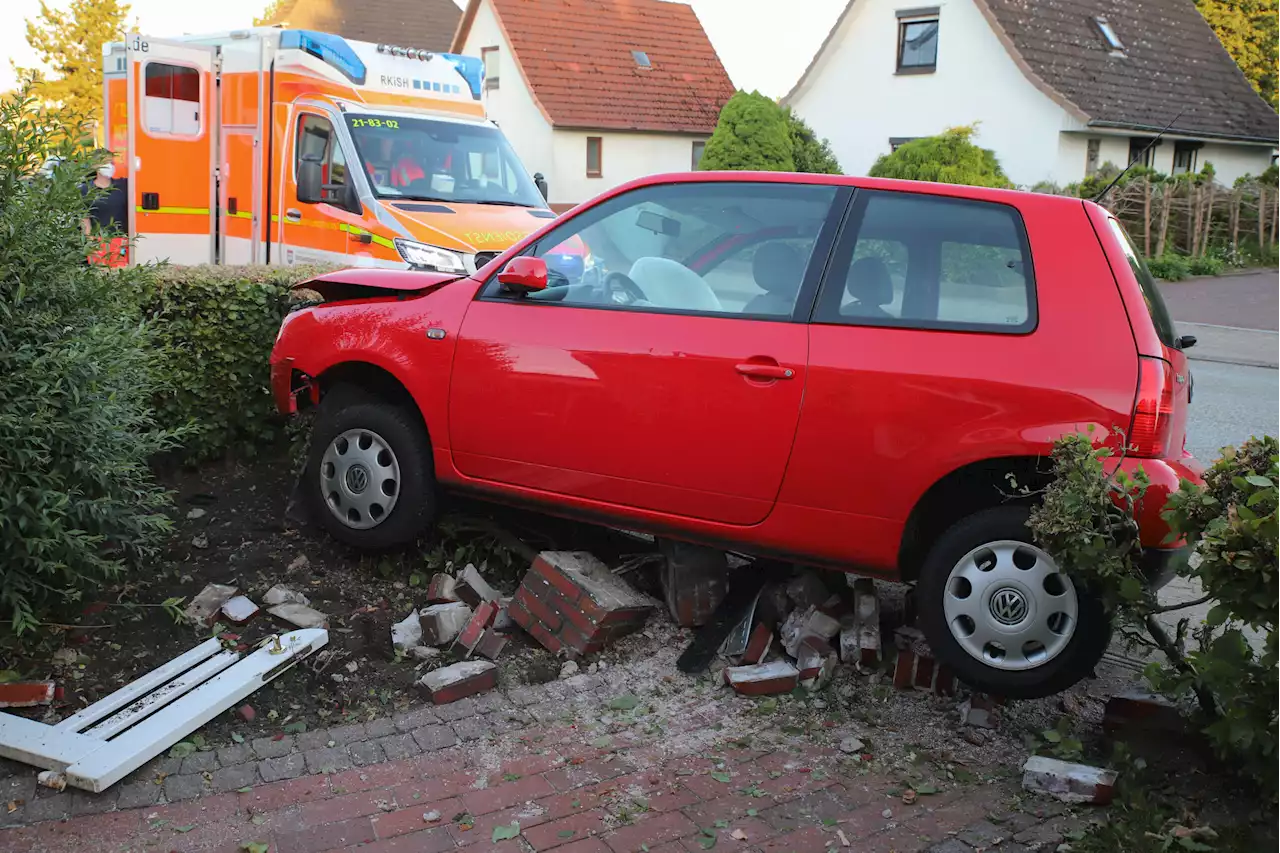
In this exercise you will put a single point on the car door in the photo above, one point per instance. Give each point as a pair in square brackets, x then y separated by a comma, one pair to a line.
[635, 382]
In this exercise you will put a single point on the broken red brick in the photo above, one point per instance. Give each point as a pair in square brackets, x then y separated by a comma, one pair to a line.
[467, 678]
[924, 673]
[246, 713]
[441, 623]
[571, 600]
[763, 679]
[25, 694]
[503, 623]
[758, 644]
[694, 581]
[442, 589]
[473, 588]
[470, 635]
[1151, 712]
[491, 644]
[981, 711]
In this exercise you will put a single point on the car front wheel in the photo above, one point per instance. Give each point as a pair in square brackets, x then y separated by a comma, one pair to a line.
[369, 478]
[999, 611]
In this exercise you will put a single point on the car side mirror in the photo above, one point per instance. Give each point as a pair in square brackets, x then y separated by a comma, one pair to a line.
[1187, 341]
[310, 185]
[540, 181]
[523, 276]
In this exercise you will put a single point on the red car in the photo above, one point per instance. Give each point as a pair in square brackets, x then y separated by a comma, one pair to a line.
[841, 372]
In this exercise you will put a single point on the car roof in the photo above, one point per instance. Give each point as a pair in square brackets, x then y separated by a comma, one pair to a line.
[1001, 196]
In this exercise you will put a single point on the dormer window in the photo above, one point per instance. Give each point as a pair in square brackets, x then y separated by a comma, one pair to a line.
[1109, 36]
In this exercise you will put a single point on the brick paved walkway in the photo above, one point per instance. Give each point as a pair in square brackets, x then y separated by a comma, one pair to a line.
[557, 760]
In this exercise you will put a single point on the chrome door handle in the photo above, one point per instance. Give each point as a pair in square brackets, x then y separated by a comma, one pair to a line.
[293, 214]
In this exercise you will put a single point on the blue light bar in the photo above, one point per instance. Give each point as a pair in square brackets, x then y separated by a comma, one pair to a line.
[471, 69]
[330, 49]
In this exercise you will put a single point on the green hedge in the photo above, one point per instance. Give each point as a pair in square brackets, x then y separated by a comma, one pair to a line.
[216, 327]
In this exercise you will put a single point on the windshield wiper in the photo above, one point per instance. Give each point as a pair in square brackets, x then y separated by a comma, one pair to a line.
[495, 202]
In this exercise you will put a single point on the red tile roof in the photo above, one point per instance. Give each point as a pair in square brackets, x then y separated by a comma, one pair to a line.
[576, 56]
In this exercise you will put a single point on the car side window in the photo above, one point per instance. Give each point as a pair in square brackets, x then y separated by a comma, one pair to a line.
[704, 248]
[924, 261]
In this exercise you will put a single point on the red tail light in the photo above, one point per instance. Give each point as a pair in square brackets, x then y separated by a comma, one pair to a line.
[1153, 409]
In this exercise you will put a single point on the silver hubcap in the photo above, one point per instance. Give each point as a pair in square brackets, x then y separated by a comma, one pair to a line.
[1007, 605]
[360, 478]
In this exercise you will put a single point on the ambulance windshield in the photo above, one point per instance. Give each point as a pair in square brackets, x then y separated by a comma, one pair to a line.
[426, 160]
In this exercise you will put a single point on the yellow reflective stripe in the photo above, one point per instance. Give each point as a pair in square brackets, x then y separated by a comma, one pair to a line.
[338, 226]
[241, 214]
[193, 211]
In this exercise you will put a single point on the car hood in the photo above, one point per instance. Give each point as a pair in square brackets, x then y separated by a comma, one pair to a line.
[361, 283]
[469, 228]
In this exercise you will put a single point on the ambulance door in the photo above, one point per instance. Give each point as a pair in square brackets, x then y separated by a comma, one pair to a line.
[172, 133]
[338, 229]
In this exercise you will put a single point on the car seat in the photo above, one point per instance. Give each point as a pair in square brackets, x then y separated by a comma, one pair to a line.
[870, 288]
[778, 270]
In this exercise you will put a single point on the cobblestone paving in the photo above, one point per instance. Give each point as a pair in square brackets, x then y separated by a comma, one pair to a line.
[433, 779]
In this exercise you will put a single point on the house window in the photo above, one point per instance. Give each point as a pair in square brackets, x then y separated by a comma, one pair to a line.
[1108, 34]
[1091, 154]
[896, 142]
[698, 148]
[489, 55]
[595, 155]
[1139, 152]
[917, 40]
[1184, 156]
[172, 99]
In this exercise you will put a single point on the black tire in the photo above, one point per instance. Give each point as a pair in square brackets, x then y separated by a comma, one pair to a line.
[414, 509]
[1075, 662]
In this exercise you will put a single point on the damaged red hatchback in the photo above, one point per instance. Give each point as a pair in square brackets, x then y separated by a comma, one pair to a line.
[841, 372]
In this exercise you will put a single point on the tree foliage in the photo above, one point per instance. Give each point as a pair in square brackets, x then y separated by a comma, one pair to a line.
[1249, 30]
[274, 9]
[810, 153]
[751, 135]
[949, 158]
[77, 376]
[70, 43]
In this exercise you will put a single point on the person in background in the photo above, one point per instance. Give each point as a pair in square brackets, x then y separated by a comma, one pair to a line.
[108, 214]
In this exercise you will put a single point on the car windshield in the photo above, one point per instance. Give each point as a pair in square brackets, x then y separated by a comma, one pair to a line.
[1150, 290]
[427, 160]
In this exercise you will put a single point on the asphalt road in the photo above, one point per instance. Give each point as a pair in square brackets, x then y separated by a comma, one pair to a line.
[1230, 403]
[1247, 301]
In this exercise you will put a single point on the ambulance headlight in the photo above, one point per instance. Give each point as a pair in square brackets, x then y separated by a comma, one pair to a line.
[424, 257]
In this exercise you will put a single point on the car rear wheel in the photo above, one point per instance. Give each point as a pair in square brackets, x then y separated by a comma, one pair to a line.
[369, 479]
[1000, 612]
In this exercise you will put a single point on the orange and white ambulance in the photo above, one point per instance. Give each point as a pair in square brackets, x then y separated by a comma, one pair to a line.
[278, 146]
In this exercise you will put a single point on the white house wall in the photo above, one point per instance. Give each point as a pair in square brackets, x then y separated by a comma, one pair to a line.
[624, 156]
[1234, 161]
[854, 97]
[511, 105]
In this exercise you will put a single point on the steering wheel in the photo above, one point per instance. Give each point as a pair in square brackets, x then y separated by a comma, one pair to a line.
[619, 289]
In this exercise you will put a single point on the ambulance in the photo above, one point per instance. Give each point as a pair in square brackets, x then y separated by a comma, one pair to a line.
[277, 146]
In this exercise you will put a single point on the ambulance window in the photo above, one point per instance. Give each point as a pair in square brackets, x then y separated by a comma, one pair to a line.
[316, 139]
[172, 99]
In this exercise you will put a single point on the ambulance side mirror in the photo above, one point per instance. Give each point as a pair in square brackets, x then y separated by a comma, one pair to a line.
[310, 185]
[540, 181]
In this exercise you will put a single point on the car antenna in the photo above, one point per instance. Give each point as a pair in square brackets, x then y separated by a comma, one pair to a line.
[1142, 155]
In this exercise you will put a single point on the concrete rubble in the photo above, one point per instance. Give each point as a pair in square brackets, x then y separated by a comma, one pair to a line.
[407, 633]
[441, 623]
[299, 615]
[1068, 782]
[204, 608]
[283, 595]
[239, 609]
[472, 588]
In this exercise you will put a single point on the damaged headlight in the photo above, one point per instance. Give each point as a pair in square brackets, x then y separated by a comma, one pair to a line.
[423, 257]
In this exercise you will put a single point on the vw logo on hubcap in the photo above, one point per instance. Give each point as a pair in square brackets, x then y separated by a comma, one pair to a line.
[357, 479]
[1008, 606]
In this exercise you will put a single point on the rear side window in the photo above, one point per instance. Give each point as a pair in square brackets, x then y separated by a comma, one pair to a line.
[931, 262]
[1150, 290]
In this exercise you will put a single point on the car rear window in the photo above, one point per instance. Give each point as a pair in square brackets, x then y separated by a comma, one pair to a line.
[1150, 290]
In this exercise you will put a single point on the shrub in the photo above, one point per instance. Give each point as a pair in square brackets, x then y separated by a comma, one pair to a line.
[752, 134]
[77, 376]
[216, 326]
[1085, 520]
[1207, 265]
[1169, 267]
[948, 158]
[810, 153]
